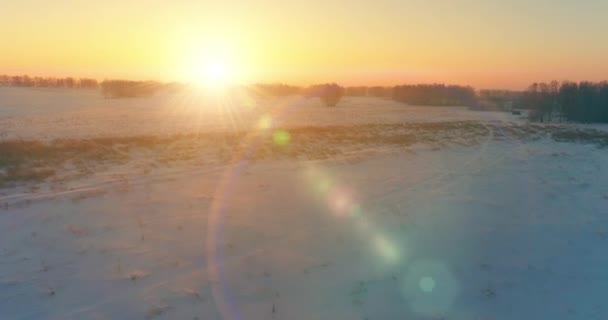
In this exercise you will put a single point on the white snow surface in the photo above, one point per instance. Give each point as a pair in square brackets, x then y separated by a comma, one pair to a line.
[511, 229]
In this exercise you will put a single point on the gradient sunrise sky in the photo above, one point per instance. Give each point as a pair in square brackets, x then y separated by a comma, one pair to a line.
[487, 44]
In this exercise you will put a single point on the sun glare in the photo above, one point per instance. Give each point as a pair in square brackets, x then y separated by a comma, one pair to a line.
[208, 61]
[214, 73]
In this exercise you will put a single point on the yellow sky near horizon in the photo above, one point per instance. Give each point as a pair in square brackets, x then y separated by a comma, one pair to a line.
[487, 44]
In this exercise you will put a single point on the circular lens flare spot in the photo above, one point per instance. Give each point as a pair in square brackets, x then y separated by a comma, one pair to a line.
[339, 201]
[281, 137]
[265, 122]
[386, 249]
[323, 185]
[426, 284]
[430, 287]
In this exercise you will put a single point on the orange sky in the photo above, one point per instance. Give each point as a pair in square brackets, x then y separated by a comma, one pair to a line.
[487, 44]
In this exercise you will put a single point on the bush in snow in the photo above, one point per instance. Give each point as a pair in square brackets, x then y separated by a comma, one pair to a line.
[330, 93]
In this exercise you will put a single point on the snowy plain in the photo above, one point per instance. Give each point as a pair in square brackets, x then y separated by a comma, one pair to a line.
[427, 221]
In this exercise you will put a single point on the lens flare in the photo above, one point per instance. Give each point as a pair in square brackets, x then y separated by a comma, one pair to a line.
[281, 137]
[323, 185]
[343, 202]
[386, 249]
[265, 122]
[426, 284]
[430, 287]
[340, 201]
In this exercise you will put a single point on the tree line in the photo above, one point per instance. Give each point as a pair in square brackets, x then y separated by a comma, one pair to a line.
[567, 101]
[132, 89]
[329, 93]
[432, 94]
[48, 82]
[419, 94]
[110, 88]
[435, 95]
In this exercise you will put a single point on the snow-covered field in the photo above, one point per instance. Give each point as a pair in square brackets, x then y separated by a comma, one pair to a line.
[370, 210]
[56, 113]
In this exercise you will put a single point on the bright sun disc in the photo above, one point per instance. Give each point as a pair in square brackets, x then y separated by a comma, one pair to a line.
[213, 74]
[216, 72]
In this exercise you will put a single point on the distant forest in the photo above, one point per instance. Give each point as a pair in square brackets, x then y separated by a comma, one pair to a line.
[109, 88]
[48, 82]
[567, 101]
[548, 102]
[419, 94]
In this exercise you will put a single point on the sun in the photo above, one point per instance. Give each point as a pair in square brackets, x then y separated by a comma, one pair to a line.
[213, 62]
[212, 73]
[216, 73]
